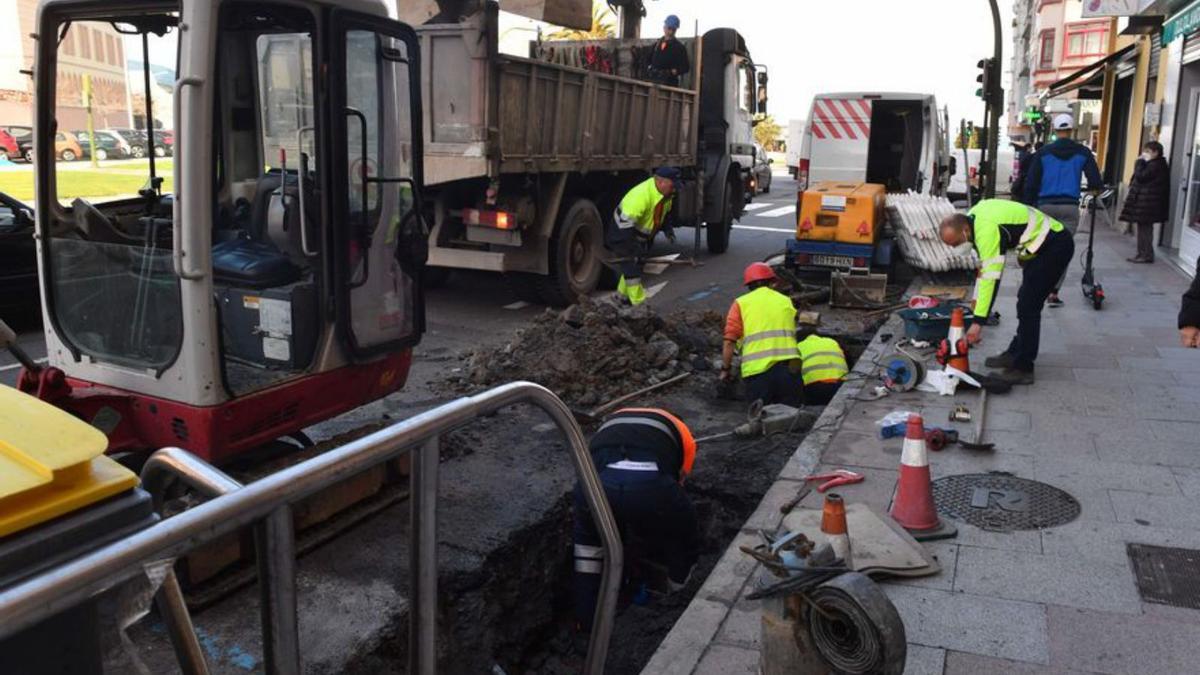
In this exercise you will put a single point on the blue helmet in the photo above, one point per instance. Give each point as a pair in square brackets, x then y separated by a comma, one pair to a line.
[671, 22]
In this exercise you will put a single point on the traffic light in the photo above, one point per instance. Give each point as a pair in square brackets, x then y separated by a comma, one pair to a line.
[984, 78]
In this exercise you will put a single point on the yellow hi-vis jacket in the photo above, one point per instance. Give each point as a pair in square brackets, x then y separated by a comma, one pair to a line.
[995, 226]
[643, 208]
[823, 360]
[768, 330]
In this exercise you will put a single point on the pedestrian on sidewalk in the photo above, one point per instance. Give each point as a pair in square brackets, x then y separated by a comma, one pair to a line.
[1021, 180]
[1054, 180]
[642, 456]
[1044, 249]
[643, 212]
[1189, 314]
[762, 324]
[1149, 198]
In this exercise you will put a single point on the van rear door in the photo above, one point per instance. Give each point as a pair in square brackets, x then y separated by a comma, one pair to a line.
[837, 136]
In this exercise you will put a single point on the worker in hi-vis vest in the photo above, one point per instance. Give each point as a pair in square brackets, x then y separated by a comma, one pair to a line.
[642, 213]
[822, 366]
[1044, 249]
[762, 325]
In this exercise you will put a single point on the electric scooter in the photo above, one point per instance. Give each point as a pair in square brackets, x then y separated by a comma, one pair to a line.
[1093, 290]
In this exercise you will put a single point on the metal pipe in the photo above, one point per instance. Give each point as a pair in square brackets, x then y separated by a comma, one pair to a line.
[65, 586]
[422, 620]
[275, 547]
[182, 632]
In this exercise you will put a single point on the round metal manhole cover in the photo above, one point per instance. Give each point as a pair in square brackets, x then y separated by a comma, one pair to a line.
[1003, 503]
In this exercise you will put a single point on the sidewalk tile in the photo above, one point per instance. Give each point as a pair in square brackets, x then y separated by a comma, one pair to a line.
[862, 449]
[1119, 643]
[962, 663]
[946, 553]
[1147, 363]
[1074, 582]
[924, 660]
[767, 516]
[1143, 509]
[726, 660]
[743, 626]
[972, 623]
[955, 460]
[681, 650]
[1020, 540]
[1189, 481]
[1107, 541]
[1178, 432]
[1080, 474]
[1169, 613]
[724, 584]
[1078, 446]
[1133, 442]
[1104, 377]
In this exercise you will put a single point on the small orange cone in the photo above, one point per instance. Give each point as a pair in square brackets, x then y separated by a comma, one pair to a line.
[957, 337]
[912, 504]
[833, 526]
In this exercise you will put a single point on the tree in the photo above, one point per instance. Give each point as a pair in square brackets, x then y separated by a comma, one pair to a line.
[602, 26]
[767, 131]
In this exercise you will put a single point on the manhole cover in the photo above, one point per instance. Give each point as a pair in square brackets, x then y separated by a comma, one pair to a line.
[1167, 576]
[1003, 503]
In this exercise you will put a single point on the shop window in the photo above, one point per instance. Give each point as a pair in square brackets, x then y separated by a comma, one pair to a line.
[98, 45]
[1046, 50]
[85, 42]
[1085, 39]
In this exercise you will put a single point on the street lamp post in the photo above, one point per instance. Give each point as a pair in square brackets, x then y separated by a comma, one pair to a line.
[995, 99]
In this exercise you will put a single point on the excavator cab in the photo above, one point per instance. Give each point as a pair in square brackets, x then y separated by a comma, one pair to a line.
[267, 276]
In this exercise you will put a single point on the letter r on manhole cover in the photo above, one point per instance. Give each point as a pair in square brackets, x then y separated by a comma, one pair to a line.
[992, 498]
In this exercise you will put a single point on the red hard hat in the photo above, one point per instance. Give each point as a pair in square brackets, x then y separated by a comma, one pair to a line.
[757, 272]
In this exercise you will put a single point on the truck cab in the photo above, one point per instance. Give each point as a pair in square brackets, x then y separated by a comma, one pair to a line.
[891, 139]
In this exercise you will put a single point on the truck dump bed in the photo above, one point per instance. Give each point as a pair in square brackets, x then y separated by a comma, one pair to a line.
[519, 115]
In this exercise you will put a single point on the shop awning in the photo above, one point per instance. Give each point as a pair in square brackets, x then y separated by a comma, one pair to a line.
[1085, 74]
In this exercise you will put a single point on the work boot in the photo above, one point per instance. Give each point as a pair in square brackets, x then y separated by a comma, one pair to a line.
[1014, 376]
[1002, 360]
[1054, 300]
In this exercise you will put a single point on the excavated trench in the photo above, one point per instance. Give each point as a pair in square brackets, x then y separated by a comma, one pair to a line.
[512, 610]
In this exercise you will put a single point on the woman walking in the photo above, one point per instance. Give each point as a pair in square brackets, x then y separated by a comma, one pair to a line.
[1149, 199]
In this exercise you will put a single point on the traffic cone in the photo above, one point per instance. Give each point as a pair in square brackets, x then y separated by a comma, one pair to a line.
[912, 503]
[833, 526]
[957, 338]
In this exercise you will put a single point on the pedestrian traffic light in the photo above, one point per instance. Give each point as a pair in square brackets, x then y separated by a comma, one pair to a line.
[984, 78]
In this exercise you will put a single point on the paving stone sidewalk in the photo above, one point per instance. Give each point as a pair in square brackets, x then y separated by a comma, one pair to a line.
[1114, 420]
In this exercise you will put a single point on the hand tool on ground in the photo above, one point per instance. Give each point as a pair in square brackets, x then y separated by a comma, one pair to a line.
[902, 372]
[978, 443]
[792, 503]
[835, 478]
[961, 413]
[936, 438]
[586, 417]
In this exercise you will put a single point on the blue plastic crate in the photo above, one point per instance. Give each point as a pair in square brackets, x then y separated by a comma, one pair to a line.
[931, 325]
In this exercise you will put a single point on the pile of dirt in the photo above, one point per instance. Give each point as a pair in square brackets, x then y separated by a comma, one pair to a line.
[595, 351]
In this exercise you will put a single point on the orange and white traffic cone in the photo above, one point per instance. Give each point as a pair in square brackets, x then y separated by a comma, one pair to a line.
[912, 503]
[957, 338]
[833, 526]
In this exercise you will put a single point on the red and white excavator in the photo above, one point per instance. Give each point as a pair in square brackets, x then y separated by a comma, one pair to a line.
[270, 278]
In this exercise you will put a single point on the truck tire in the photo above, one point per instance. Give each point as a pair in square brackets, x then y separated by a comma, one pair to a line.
[718, 233]
[575, 254]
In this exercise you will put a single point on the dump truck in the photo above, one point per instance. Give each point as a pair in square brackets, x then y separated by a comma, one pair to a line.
[526, 158]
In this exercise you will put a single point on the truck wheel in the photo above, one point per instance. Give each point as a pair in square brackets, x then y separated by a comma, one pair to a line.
[718, 233]
[575, 252]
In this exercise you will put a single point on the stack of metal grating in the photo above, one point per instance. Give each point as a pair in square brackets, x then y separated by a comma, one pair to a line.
[914, 219]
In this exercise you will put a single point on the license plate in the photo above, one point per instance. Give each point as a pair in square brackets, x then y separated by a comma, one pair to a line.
[833, 260]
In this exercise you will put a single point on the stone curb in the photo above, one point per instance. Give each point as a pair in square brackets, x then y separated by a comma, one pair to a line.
[694, 632]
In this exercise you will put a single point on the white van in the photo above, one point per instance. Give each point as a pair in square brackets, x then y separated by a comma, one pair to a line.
[897, 140]
[795, 140]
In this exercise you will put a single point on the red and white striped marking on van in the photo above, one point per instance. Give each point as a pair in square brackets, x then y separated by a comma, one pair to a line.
[841, 118]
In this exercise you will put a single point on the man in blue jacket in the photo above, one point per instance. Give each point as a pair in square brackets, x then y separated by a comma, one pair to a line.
[1053, 183]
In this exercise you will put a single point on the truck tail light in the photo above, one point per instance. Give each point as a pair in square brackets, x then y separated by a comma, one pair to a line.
[501, 220]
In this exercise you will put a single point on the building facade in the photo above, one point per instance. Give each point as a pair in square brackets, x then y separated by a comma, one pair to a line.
[89, 50]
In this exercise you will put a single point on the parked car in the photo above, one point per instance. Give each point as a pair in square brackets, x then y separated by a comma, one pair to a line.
[138, 139]
[108, 145]
[168, 146]
[18, 257]
[24, 138]
[762, 169]
[8, 146]
[66, 147]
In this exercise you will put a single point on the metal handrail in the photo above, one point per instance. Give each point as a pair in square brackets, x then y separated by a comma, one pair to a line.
[70, 584]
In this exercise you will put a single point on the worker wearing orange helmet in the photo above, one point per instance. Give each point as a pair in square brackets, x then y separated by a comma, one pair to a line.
[762, 325]
[642, 456]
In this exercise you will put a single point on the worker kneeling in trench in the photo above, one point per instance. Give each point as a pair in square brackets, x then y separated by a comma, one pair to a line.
[776, 366]
[642, 456]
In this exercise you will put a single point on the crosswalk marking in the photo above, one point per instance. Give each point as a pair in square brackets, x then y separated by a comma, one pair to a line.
[781, 211]
[757, 205]
[764, 229]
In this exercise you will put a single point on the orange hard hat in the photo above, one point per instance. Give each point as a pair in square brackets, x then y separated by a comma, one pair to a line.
[757, 272]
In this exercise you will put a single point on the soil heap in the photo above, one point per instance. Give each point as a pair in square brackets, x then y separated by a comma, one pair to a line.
[595, 351]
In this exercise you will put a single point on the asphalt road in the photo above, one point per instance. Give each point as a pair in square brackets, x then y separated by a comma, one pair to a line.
[476, 308]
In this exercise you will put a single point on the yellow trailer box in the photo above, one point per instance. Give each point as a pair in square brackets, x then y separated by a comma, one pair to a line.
[848, 213]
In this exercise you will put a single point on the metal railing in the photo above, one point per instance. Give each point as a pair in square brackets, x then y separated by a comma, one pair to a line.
[266, 505]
